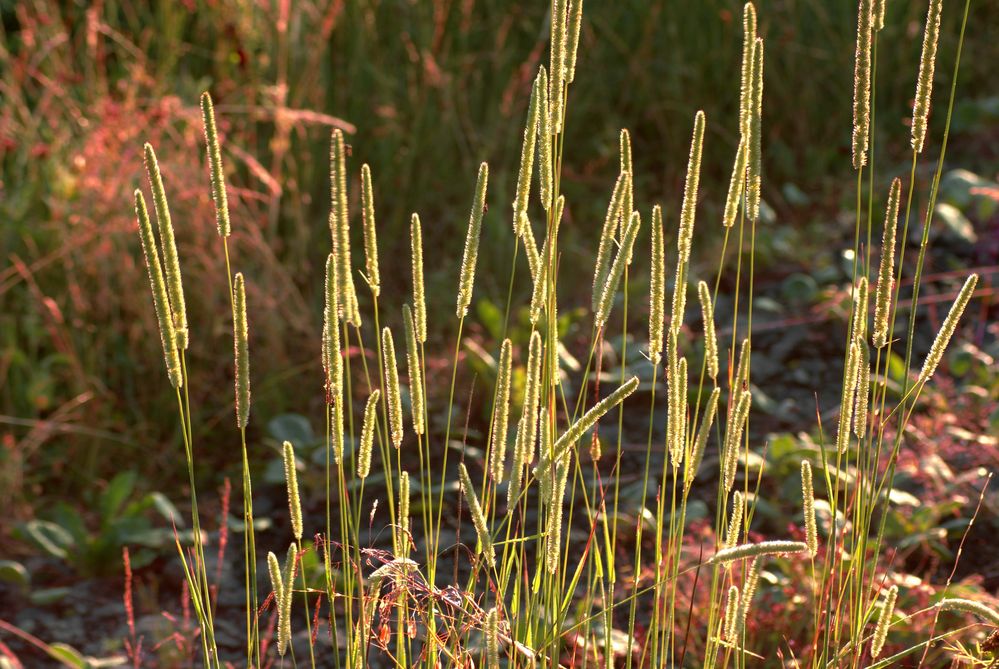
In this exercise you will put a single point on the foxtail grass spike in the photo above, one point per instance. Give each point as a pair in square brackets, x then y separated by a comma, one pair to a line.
[746, 85]
[880, 7]
[284, 618]
[277, 585]
[392, 394]
[404, 508]
[884, 620]
[742, 373]
[762, 548]
[545, 441]
[545, 132]
[329, 325]
[970, 606]
[526, 171]
[467, 280]
[755, 178]
[748, 592]
[415, 372]
[860, 308]
[367, 435]
[808, 497]
[678, 410]
[478, 517]
[539, 296]
[616, 270]
[710, 339]
[589, 419]
[215, 166]
[340, 229]
[690, 188]
[924, 85]
[519, 463]
[679, 305]
[168, 246]
[554, 369]
[558, 52]
[501, 412]
[607, 236]
[947, 329]
[862, 396]
[531, 250]
[291, 481]
[735, 521]
[733, 438]
[628, 204]
[492, 639]
[848, 398]
[553, 554]
[532, 395]
[370, 231]
[862, 84]
[572, 48]
[692, 463]
[161, 302]
[419, 296]
[242, 353]
[736, 184]
[882, 304]
[731, 615]
[657, 290]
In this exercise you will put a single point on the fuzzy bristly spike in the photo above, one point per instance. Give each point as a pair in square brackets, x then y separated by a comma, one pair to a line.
[545, 164]
[168, 246]
[882, 303]
[416, 399]
[392, 394]
[862, 84]
[215, 166]
[924, 84]
[657, 289]
[370, 232]
[754, 187]
[884, 620]
[467, 279]
[690, 188]
[242, 354]
[710, 339]
[419, 296]
[947, 329]
[161, 302]
[367, 435]
[291, 481]
[501, 412]
[607, 237]
[808, 497]
[526, 171]
[478, 517]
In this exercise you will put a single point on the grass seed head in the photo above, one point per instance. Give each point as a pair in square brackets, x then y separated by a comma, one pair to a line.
[545, 164]
[808, 497]
[370, 231]
[746, 85]
[526, 171]
[755, 177]
[572, 48]
[710, 338]
[882, 304]
[924, 84]
[291, 481]
[215, 166]
[415, 372]
[367, 435]
[884, 621]
[392, 394]
[947, 329]
[241, 337]
[690, 189]
[467, 279]
[168, 246]
[419, 296]
[478, 517]
[501, 412]
[161, 302]
[657, 290]
[862, 84]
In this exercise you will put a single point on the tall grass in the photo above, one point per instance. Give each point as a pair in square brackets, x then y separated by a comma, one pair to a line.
[540, 578]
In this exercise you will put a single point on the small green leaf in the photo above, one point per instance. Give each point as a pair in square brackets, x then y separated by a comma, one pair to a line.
[50, 537]
[67, 655]
[14, 572]
[117, 492]
[292, 427]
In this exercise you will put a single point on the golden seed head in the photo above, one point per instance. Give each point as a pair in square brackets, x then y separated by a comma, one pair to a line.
[370, 232]
[467, 279]
[215, 166]
[924, 84]
[242, 354]
[392, 394]
[291, 481]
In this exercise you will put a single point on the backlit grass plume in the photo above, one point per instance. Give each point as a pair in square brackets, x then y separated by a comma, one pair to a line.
[746, 84]
[755, 178]
[847, 398]
[882, 301]
[734, 521]
[924, 84]
[367, 435]
[572, 48]
[736, 183]
[748, 592]
[492, 638]
[277, 586]
[808, 497]
[467, 280]
[616, 271]
[168, 247]
[416, 260]
[758, 549]
[241, 338]
[947, 329]
[607, 236]
[215, 166]
[733, 438]
[690, 188]
[545, 265]
[545, 133]
[880, 7]
[987, 614]
[415, 371]
[291, 481]
[862, 84]
[557, 80]
[287, 592]
[862, 396]
[884, 621]
[588, 420]
[501, 412]
[161, 302]
[858, 320]
[370, 231]
[340, 229]
[392, 394]
[731, 615]
[710, 339]
[628, 204]
[526, 171]
[478, 517]
[403, 510]
[692, 463]
[657, 289]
